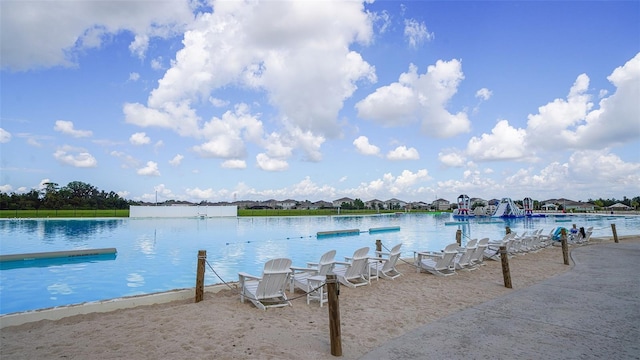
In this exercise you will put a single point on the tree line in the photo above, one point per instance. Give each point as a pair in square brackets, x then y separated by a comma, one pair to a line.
[80, 195]
[602, 203]
[75, 195]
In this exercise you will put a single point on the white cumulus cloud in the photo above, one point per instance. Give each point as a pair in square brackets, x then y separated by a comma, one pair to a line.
[75, 157]
[419, 98]
[364, 147]
[5, 136]
[616, 119]
[452, 158]
[25, 43]
[504, 143]
[239, 45]
[67, 127]
[550, 127]
[151, 169]
[271, 164]
[416, 32]
[403, 153]
[484, 94]
[234, 164]
[139, 138]
[177, 160]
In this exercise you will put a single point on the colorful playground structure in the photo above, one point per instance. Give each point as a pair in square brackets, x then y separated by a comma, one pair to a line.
[506, 208]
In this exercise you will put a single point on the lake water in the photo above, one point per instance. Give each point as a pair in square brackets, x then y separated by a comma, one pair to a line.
[155, 255]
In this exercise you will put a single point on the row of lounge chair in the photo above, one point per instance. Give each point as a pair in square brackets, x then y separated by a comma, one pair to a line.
[269, 290]
[532, 242]
[453, 257]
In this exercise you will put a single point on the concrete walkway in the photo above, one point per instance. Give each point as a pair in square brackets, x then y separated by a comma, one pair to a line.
[589, 312]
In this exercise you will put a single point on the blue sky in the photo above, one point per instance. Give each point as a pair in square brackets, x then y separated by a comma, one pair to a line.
[316, 100]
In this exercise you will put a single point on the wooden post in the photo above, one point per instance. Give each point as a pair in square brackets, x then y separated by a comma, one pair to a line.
[202, 256]
[504, 258]
[334, 315]
[565, 247]
[615, 233]
[459, 237]
[507, 230]
[379, 247]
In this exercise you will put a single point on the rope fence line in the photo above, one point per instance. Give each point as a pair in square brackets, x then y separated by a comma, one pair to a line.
[202, 259]
[277, 239]
[237, 292]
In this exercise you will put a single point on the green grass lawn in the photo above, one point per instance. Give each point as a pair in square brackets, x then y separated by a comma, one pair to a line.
[42, 213]
[63, 213]
[319, 212]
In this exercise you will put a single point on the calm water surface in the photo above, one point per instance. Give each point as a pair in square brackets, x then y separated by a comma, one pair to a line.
[157, 255]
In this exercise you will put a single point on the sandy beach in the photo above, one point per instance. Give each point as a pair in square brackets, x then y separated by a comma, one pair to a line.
[221, 327]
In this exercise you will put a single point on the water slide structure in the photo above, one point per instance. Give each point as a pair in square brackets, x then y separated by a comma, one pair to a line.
[507, 208]
[464, 207]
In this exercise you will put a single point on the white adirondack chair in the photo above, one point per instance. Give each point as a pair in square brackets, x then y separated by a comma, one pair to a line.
[312, 278]
[267, 290]
[546, 240]
[385, 265]
[441, 264]
[491, 252]
[354, 273]
[477, 258]
[462, 261]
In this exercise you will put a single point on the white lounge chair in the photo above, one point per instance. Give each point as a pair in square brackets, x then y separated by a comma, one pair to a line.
[462, 261]
[546, 240]
[385, 265]
[492, 250]
[311, 278]
[518, 244]
[478, 256]
[267, 290]
[534, 241]
[588, 234]
[438, 263]
[355, 272]
[581, 239]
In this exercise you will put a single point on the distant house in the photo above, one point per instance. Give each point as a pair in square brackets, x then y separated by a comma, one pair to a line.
[395, 204]
[619, 207]
[287, 204]
[308, 205]
[321, 205]
[419, 205]
[441, 204]
[578, 206]
[549, 207]
[374, 204]
[245, 204]
[338, 203]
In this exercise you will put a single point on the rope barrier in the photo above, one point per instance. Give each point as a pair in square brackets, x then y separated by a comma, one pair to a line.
[401, 259]
[235, 290]
[278, 239]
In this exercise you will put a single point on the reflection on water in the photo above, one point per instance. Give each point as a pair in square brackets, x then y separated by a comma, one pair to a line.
[160, 255]
[135, 280]
[62, 289]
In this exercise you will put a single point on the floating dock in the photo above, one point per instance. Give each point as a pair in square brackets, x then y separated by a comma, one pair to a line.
[57, 254]
[383, 229]
[456, 223]
[338, 232]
